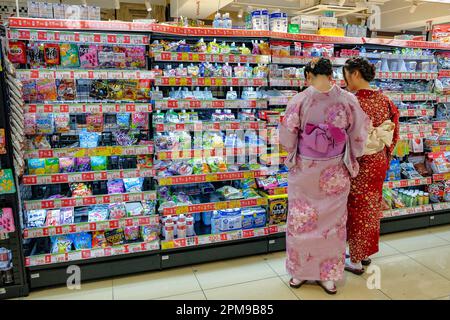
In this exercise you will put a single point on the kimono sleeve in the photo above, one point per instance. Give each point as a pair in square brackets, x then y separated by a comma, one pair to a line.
[290, 126]
[395, 115]
[357, 135]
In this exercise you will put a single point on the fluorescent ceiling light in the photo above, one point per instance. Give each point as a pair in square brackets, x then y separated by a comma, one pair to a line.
[413, 7]
[84, 3]
[438, 1]
[240, 13]
[117, 4]
[148, 5]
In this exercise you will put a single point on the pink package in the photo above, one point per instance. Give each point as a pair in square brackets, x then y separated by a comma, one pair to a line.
[139, 120]
[30, 123]
[88, 56]
[135, 57]
[6, 220]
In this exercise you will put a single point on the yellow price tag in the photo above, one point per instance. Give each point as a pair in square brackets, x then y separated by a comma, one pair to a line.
[249, 175]
[162, 156]
[207, 81]
[167, 245]
[195, 57]
[221, 206]
[172, 81]
[211, 177]
[80, 153]
[182, 209]
[184, 56]
[219, 82]
[183, 81]
[165, 181]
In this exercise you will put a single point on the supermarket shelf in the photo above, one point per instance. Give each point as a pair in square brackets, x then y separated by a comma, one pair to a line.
[407, 75]
[443, 99]
[14, 291]
[407, 211]
[416, 112]
[407, 183]
[77, 37]
[209, 104]
[36, 23]
[210, 81]
[412, 96]
[210, 177]
[392, 56]
[77, 255]
[300, 60]
[117, 74]
[280, 82]
[315, 38]
[210, 126]
[415, 135]
[89, 200]
[221, 237]
[209, 57]
[81, 108]
[444, 73]
[205, 153]
[29, 233]
[441, 176]
[415, 128]
[90, 152]
[86, 176]
[203, 207]
[407, 43]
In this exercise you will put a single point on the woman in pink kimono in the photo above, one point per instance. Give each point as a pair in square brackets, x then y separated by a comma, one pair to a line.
[324, 131]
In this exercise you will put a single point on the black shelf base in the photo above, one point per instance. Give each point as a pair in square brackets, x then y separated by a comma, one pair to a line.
[14, 291]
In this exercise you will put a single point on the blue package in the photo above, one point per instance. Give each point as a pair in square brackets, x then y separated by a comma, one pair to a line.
[82, 240]
[231, 219]
[215, 222]
[133, 184]
[206, 216]
[197, 217]
[259, 217]
[247, 219]
[123, 120]
[89, 139]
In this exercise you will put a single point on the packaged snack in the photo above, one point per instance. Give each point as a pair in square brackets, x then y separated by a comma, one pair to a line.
[53, 217]
[29, 91]
[135, 57]
[264, 48]
[139, 120]
[66, 89]
[80, 189]
[51, 54]
[62, 122]
[130, 88]
[115, 186]
[131, 233]
[61, 244]
[115, 90]
[114, 237]
[149, 207]
[45, 123]
[213, 47]
[17, 52]
[36, 166]
[216, 164]
[6, 220]
[99, 239]
[99, 90]
[82, 240]
[83, 164]
[105, 56]
[149, 234]
[88, 56]
[117, 211]
[436, 191]
[143, 91]
[51, 165]
[98, 212]
[278, 209]
[134, 209]
[36, 218]
[119, 57]
[99, 163]
[30, 123]
[89, 139]
[69, 55]
[230, 193]
[259, 217]
[66, 216]
[144, 161]
[124, 138]
[46, 90]
[123, 120]
[133, 184]
[36, 55]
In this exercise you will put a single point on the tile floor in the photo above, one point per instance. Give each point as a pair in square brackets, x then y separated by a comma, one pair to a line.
[413, 264]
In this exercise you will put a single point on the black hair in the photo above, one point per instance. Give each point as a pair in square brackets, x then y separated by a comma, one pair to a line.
[365, 68]
[321, 66]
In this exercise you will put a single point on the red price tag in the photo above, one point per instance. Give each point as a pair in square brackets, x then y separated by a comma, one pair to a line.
[42, 35]
[112, 38]
[72, 228]
[234, 125]
[45, 153]
[129, 222]
[180, 127]
[87, 176]
[69, 202]
[85, 254]
[403, 183]
[48, 258]
[93, 226]
[58, 230]
[47, 204]
[160, 127]
[195, 104]
[29, 180]
[248, 233]
[59, 178]
[89, 201]
[130, 107]
[114, 224]
[127, 39]
[107, 251]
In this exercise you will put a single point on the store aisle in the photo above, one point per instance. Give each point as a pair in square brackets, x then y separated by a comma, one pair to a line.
[413, 264]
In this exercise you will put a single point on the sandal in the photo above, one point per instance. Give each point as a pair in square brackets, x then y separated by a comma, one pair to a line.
[358, 272]
[298, 285]
[366, 262]
[333, 291]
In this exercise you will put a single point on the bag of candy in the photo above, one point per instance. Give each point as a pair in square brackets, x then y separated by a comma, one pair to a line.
[135, 57]
[133, 184]
[36, 166]
[98, 212]
[51, 54]
[134, 209]
[51, 165]
[88, 56]
[82, 240]
[119, 57]
[117, 211]
[17, 52]
[62, 122]
[66, 89]
[67, 165]
[89, 139]
[69, 55]
[105, 56]
[99, 163]
[53, 217]
[115, 186]
[61, 244]
[66, 216]
[115, 237]
[131, 233]
[148, 234]
[80, 189]
[99, 239]
[46, 90]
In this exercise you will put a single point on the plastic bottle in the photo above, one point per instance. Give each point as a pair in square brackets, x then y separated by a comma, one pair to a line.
[169, 230]
[217, 22]
[181, 227]
[184, 117]
[190, 232]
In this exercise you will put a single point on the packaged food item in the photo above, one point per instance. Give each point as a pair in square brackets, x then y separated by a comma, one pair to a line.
[61, 244]
[115, 237]
[80, 189]
[259, 217]
[53, 217]
[133, 184]
[88, 56]
[69, 55]
[216, 164]
[89, 139]
[6, 220]
[134, 209]
[135, 57]
[29, 91]
[36, 55]
[143, 91]
[51, 165]
[436, 191]
[131, 233]
[66, 216]
[45, 123]
[17, 52]
[36, 166]
[99, 163]
[66, 89]
[149, 207]
[148, 234]
[117, 211]
[99, 239]
[130, 88]
[46, 90]
[119, 57]
[139, 120]
[62, 122]
[144, 161]
[230, 193]
[115, 186]
[105, 57]
[124, 138]
[98, 90]
[98, 212]
[36, 218]
[83, 164]
[51, 54]
[278, 209]
[115, 90]
[82, 240]
[123, 120]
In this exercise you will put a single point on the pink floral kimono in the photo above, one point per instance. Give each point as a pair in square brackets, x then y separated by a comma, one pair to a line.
[330, 131]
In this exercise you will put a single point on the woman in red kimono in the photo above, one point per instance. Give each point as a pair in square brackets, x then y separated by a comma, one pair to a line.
[364, 203]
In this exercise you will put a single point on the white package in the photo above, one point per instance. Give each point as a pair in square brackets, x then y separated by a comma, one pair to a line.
[327, 22]
[59, 11]
[94, 13]
[45, 10]
[33, 9]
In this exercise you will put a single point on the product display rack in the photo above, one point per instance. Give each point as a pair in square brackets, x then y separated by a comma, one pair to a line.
[50, 269]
